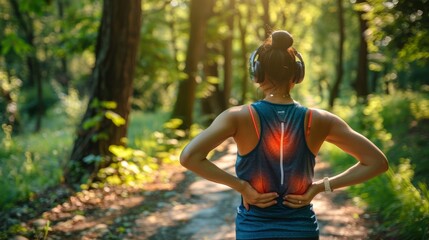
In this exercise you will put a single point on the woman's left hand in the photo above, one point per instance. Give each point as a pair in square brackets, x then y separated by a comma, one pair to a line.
[297, 201]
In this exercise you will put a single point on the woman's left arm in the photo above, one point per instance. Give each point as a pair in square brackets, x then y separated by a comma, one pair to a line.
[194, 155]
[194, 158]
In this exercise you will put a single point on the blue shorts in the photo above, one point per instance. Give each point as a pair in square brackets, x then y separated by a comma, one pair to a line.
[276, 222]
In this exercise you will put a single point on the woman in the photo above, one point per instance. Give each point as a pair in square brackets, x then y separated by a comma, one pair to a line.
[277, 141]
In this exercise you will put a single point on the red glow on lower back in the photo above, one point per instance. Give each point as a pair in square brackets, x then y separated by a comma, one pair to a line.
[260, 183]
[298, 184]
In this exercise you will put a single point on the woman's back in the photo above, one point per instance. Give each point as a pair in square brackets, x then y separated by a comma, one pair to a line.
[281, 161]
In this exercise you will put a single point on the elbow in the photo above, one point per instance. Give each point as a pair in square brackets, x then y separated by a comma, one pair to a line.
[187, 159]
[184, 159]
[383, 164]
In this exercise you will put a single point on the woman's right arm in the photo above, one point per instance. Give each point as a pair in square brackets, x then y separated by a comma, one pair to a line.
[370, 160]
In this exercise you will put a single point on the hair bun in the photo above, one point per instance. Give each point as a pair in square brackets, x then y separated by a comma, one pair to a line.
[281, 40]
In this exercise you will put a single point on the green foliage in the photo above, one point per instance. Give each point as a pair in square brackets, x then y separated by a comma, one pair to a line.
[398, 35]
[31, 163]
[402, 206]
[28, 100]
[398, 124]
[103, 111]
[12, 42]
[136, 166]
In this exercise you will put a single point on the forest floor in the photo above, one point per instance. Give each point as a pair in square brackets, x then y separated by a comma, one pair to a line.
[184, 207]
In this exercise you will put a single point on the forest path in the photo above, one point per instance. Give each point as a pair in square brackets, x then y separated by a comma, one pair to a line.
[184, 207]
[206, 210]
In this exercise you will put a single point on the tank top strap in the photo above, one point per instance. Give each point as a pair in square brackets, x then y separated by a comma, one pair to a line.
[253, 120]
[309, 120]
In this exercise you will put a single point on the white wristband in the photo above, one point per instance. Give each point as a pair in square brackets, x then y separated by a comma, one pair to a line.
[327, 184]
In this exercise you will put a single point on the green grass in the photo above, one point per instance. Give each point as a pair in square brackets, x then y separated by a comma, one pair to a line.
[32, 162]
[143, 126]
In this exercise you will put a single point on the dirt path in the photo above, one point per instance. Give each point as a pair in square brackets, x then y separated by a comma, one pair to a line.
[206, 210]
[185, 207]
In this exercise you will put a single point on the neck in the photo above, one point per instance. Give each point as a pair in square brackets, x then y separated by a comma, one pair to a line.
[278, 97]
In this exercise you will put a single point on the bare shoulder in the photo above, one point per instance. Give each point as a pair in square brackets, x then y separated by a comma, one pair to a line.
[324, 117]
[326, 124]
[230, 117]
[235, 112]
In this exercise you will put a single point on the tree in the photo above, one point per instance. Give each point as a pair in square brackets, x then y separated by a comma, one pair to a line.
[399, 35]
[242, 27]
[227, 53]
[361, 84]
[184, 106]
[266, 18]
[336, 88]
[106, 118]
[25, 22]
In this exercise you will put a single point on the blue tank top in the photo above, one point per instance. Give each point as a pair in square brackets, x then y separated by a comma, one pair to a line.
[281, 162]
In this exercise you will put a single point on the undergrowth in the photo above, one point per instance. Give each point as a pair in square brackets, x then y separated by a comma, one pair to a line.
[399, 125]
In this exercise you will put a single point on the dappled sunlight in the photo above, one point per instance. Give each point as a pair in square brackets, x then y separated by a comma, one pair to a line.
[99, 98]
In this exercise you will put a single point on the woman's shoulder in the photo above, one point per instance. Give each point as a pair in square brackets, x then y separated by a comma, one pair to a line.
[234, 113]
[324, 117]
[237, 110]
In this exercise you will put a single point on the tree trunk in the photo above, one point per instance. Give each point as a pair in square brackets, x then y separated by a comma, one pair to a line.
[336, 87]
[183, 108]
[266, 18]
[112, 79]
[244, 54]
[212, 105]
[62, 76]
[227, 54]
[361, 84]
[25, 23]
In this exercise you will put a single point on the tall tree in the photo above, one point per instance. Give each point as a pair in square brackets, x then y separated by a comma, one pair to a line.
[63, 76]
[266, 18]
[361, 84]
[183, 108]
[25, 22]
[242, 27]
[340, 70]
[227, 53]
[106, 118]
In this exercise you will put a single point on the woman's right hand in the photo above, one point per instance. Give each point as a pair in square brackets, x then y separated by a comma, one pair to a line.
[253, 197]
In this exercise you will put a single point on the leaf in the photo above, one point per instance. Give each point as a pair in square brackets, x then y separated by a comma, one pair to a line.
[116, 118]
[95, 103]
[121, 152]
[173, 123]
[100, 136]
[13, 42]
[109, 104]
[92, 122]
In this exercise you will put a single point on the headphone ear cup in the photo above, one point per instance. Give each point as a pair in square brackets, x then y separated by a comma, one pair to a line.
[256, 72]
[259, 73]
[300, 67]
[299, 76]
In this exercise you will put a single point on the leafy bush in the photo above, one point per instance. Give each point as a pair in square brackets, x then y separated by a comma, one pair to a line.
[398, 124]
[32, 162]
[136, 166]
